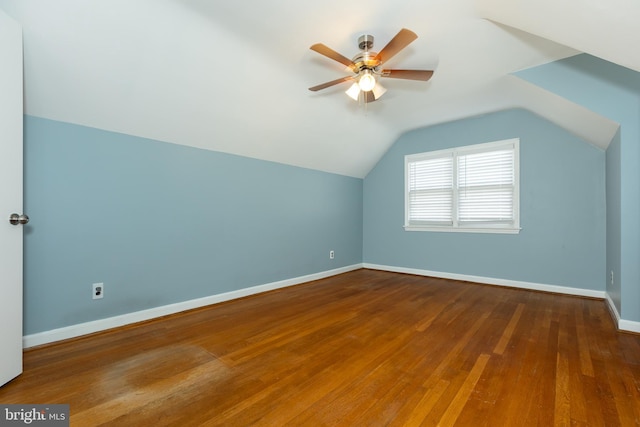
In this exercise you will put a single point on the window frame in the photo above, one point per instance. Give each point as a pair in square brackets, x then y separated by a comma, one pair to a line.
[455, 226]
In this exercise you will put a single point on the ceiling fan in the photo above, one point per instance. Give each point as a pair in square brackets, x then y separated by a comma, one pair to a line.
[367, 66]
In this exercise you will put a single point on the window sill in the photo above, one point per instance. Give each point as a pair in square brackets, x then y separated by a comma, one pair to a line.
[496, 230]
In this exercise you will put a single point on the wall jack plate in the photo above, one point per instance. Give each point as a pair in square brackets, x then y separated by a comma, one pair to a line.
[98, 290]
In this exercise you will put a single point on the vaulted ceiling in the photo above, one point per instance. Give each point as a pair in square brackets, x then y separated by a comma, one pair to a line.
[233, 76]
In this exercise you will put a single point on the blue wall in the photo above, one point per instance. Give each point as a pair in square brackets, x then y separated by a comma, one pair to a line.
[562, 204]
[613, 92]
[161, 223]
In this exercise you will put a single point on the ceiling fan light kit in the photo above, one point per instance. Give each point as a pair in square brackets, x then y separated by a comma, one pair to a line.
[366, 66]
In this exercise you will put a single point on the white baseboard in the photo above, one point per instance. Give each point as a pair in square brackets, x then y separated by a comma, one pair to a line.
[493, 281]
[623, 325]
[74, 331]
[612, 309]
[629, 326]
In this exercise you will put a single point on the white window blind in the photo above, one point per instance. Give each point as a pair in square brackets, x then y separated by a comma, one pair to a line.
[486, 187]
[472, 188]
[431, 191]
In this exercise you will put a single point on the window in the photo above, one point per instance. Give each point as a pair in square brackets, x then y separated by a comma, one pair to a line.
[472, 189]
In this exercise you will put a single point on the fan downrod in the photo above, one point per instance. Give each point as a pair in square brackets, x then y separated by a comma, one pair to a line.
[365, 42]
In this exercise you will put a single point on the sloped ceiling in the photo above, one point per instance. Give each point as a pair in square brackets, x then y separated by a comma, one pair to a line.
[233, 76]
[607, 29]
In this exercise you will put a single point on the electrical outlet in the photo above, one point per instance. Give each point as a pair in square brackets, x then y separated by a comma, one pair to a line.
[98, 290]
[611, 277]
[332, 255]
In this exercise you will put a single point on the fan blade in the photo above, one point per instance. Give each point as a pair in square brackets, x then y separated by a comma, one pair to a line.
[331, 83]
[423, 75]
[399, 42]
[332, 54]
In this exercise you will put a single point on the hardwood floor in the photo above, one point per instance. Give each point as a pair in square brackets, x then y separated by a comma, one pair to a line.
[365, 348]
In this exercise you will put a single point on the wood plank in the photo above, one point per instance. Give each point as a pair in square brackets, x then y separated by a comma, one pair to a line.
[562, 410]
[583, 346]
[508, 332]
[462, 396]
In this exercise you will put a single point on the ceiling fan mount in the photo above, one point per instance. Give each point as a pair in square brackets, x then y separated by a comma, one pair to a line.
[366, 66]
[365, 42]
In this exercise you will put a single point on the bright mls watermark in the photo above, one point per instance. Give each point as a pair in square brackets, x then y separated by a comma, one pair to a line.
[36, 415]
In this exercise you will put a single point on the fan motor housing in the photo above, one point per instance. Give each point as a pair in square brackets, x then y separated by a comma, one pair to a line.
[366, 61]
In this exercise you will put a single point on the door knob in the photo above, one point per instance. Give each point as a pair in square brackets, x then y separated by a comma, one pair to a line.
[16, 219]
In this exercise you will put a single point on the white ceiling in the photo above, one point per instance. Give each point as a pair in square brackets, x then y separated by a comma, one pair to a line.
[233, 76]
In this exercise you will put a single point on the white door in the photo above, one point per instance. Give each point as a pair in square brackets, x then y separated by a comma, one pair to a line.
[10, 198]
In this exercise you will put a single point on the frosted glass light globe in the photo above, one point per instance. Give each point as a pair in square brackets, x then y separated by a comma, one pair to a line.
[367, 81]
